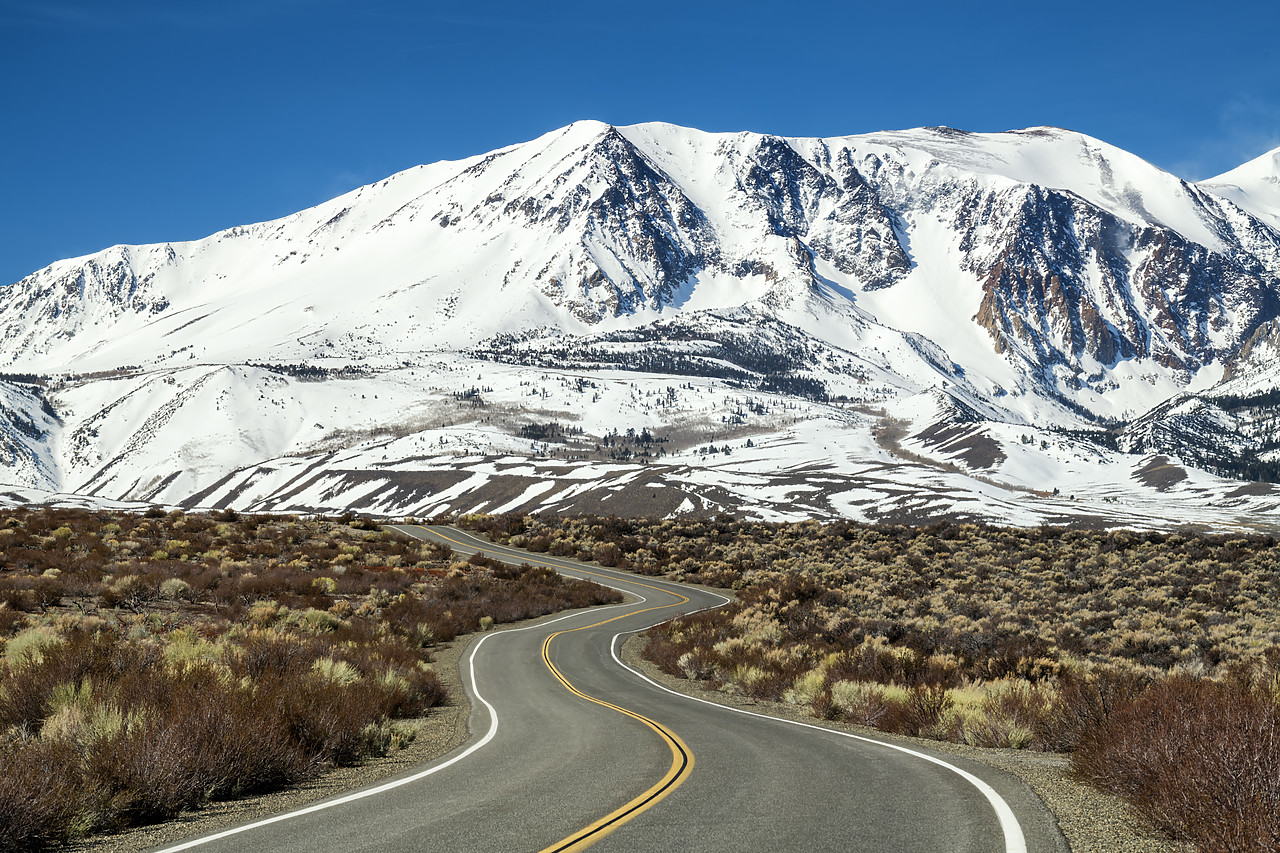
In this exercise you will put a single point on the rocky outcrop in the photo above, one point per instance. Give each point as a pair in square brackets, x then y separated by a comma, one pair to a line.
[1065, 282]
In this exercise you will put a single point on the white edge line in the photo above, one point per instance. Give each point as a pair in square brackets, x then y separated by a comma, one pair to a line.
[360, 795]
[1014, 841]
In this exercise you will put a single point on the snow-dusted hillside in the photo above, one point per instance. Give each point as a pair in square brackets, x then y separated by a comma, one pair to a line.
[861, 308]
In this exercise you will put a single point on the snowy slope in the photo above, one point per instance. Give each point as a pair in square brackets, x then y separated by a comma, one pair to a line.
[1254, 186]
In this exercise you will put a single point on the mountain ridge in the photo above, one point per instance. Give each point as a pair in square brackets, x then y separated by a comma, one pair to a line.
[1038, 277]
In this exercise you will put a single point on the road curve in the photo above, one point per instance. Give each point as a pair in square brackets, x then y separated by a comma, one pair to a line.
[570, 749]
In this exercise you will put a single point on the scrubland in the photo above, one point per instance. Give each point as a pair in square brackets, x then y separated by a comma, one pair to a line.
[155, 662]
[1152, 658]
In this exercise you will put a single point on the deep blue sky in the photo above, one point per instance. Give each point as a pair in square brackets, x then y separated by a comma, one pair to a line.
[137, 121]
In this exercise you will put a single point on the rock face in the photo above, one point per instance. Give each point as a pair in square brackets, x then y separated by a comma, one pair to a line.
[1033, 277]
[1073, 284]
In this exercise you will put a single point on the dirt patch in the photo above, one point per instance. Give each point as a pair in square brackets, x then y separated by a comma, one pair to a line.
[966, 442]
[1252, 490]
[635, 499]
[1160, 474]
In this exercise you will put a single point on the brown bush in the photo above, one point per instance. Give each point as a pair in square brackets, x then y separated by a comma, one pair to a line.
[1199, 761]
[1084, 703]
[39, 788]
[608, 554]
[237, 748]
[664, 654]
[47, 592]
[11, 621]
[16, 598]
[326, 721]
[921, 711]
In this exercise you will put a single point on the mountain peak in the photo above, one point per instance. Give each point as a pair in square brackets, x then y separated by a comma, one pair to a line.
[1254, 186]
[1264, 166]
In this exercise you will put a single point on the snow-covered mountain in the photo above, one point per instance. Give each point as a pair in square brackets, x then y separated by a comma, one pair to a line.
[925, 300]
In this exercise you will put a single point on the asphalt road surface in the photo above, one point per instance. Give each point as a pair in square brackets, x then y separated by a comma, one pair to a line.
[569, 749]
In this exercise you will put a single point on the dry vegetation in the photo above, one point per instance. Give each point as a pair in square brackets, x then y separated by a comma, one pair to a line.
[153, 663]
[1153, 658]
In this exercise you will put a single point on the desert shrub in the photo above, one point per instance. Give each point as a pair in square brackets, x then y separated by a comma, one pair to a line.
[420, 621]
[327, 721]
[186, 648]
[10, 620]
[39, 786]
[919, 713]
[158, 733]
[15, 598]
[317, 621]
[264, 653]
[175, 589]
[47, 590]
[697, 664]
[26, 694]
[189, 737]
[607, 554]
[1084, 703]
[405, 691]
[1199, 760]
[1010, 714]
[386, 737]
[28, 647]
[858, 702]
[131, 591]
[337, 673]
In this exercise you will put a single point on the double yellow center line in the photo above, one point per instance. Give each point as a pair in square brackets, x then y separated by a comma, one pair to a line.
[681, 756]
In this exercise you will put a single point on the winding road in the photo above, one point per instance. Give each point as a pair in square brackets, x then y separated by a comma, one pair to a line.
[571, 749]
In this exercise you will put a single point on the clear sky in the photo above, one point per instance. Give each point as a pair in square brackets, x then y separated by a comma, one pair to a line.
[139, 121]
